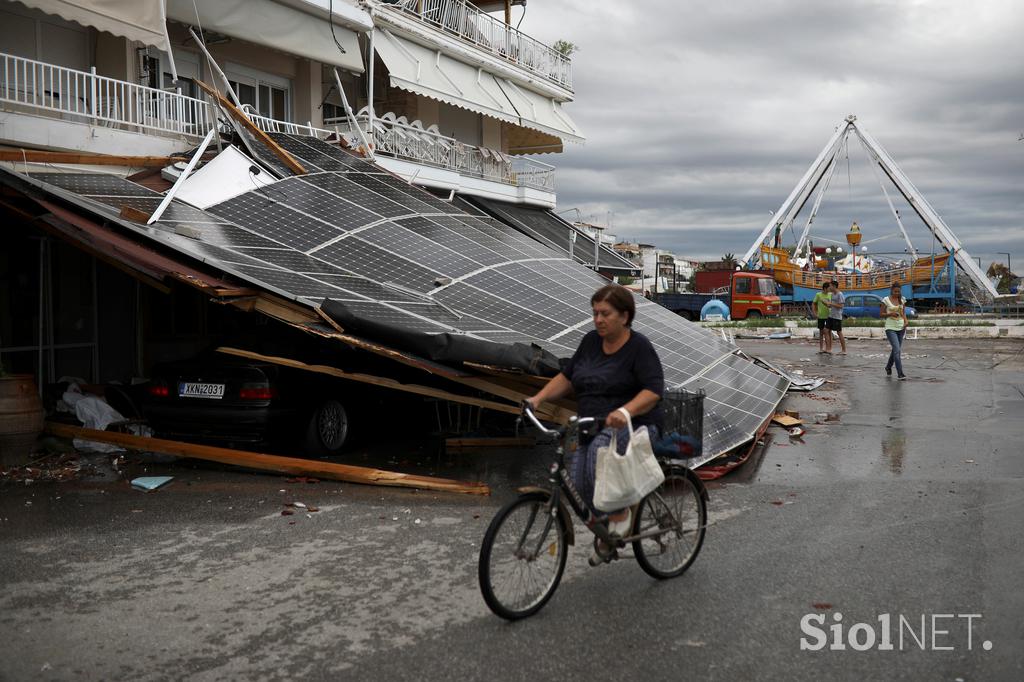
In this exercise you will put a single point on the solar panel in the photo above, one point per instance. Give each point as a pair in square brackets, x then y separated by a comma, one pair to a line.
[262, 153]
[277, 221]
[410, 202]
[431, 229]
[219, 234]
[553, 231]
[378, 264]
[312, 201]
[95, 184]
[344, 188]
[315, 154]
[400, 257]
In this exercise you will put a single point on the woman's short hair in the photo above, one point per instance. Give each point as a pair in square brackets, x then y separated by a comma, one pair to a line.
[617, 297]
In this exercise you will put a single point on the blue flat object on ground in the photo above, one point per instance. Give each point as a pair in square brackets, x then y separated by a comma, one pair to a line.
[150, 483]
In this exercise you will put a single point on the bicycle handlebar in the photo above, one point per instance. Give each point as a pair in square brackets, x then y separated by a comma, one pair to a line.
[528, 411]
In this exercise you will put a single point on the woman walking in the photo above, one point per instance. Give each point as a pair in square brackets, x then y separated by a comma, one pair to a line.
[894, 311]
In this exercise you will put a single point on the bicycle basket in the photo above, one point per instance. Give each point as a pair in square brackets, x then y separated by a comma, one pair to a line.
[682, 433]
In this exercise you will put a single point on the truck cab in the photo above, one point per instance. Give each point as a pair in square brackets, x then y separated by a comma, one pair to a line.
[753, 295]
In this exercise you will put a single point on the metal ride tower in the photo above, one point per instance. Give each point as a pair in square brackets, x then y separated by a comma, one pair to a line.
[820, 173]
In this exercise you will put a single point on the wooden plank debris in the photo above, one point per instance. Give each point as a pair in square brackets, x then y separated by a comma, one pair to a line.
[376, 381]
[36, 156]
[275, 463]
[133, 214]
[786, 420]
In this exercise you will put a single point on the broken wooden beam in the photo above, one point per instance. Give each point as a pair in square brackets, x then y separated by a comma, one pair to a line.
[375, 380]
[35, 156]
[287, 159]
[275, 463]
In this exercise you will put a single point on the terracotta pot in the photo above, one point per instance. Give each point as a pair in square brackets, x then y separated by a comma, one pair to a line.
[21, 418]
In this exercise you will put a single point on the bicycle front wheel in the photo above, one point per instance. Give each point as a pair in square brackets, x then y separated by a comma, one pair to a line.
[676, 508]
[522, 557]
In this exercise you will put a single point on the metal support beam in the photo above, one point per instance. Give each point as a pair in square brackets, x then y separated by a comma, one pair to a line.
[927, 214]
[352, 117]
[798, 197]
[215, 67]
[181, 179]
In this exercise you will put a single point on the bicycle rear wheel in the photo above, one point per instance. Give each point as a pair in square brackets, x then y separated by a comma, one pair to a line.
[678, 507]
[522, 557]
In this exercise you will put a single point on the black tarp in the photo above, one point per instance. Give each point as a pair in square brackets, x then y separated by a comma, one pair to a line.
[445, 347]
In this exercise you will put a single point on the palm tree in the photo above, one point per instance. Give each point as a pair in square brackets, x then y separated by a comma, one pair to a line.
[730, 260]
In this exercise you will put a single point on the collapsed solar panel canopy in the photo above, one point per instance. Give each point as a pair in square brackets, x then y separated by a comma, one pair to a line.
[395, 261]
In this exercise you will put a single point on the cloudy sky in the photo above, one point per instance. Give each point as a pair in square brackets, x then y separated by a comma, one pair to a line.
[701, 116]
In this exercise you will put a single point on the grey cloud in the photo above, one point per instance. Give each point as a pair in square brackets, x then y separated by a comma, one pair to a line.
[700, 117]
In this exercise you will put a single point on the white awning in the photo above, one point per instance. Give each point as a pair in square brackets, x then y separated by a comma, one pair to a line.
[141, 20]
[540, 112]
[430, 73]
[283, 28]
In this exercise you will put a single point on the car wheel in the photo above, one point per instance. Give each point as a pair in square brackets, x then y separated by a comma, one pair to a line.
[327, 433]
[753, 314]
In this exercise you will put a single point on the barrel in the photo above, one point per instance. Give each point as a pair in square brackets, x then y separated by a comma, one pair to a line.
[21, 418]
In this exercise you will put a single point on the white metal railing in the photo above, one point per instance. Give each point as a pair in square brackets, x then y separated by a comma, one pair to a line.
[272, 125]
[392, 137]
[532, 173]
[85, 96]
[461, 19]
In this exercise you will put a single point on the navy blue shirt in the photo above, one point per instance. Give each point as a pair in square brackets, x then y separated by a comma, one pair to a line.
[604, 383]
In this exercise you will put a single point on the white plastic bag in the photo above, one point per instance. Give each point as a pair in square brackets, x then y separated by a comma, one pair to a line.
[624, 480]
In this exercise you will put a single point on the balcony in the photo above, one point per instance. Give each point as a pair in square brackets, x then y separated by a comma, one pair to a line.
[400, 139]
[461, 20]
[32, 87]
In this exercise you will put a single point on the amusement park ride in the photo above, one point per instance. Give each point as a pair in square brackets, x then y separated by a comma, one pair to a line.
[800, 271]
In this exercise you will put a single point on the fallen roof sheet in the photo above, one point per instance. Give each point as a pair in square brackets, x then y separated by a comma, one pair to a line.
[396, 257]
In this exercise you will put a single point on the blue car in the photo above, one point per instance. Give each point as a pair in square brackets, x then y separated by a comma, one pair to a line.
[867, 305]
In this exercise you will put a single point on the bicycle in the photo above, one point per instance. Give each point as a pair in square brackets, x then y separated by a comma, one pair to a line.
[525, 547]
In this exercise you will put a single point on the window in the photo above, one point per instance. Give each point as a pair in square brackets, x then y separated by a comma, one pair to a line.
[267, 94]
[742, 285]
[766, 287]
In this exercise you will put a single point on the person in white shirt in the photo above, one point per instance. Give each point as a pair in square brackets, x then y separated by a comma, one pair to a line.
[894, 311]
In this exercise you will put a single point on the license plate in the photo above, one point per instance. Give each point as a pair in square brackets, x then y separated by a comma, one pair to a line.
[195, 390]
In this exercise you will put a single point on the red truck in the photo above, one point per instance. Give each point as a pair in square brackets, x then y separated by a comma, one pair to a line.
[748, 295]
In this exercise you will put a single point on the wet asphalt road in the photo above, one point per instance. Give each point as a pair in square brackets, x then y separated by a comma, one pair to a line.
[912, 505]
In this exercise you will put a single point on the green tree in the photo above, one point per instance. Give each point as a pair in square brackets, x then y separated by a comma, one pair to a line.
[565, 48]
[730, 260]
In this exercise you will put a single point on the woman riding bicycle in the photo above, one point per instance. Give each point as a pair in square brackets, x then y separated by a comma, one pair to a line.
[614, 370]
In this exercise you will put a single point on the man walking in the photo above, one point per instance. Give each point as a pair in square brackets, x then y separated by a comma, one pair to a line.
[820, 303]
[835, 316]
